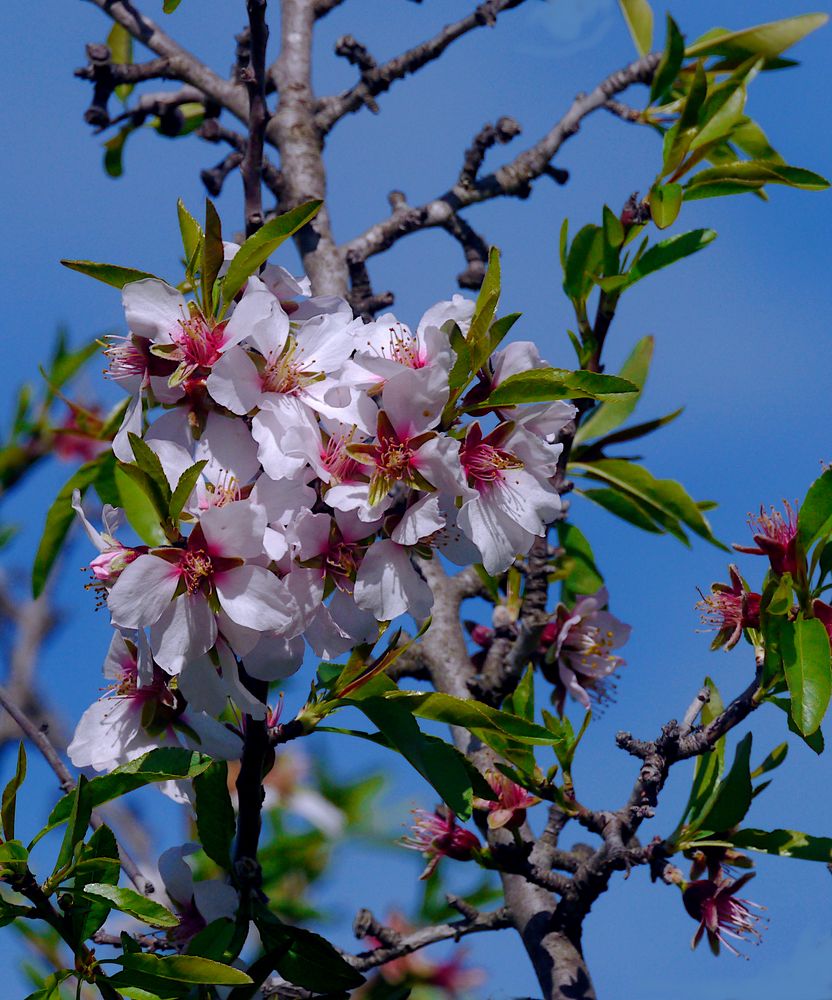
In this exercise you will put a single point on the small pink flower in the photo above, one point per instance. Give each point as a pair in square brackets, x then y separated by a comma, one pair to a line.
[107, 565]
[509, 808]
[436, 835]
[776, 537]
[730, 608]
[713, 902]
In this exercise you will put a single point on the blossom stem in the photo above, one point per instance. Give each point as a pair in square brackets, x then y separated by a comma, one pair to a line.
[249, 786]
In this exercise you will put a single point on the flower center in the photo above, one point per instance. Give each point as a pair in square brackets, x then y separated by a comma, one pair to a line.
[199, 343]
[126, 359]
[485, 464]
[196, 567]
[403, 348]
[286, 372]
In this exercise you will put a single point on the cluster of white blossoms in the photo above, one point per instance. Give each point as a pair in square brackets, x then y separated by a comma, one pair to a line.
[333, 456]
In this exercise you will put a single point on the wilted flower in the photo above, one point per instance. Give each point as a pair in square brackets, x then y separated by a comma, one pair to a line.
[509, 807]
[437, 836]
[729, 608]
[776, 537]
[713, 902]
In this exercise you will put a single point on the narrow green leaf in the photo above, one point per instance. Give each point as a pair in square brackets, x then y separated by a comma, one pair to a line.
[9, 802]
[478, 338]
[814, 519]
[521, 700]
[169, 6]
[184, 488]
[666, 495]
[720, 124]
[258, 248]
[772, 761]
[185, 969]
[544, 384]
[581, 574]
[190, 229]
[78, 821]
[665, 202]
[114, 152]
[99, 862]
[756, 172]
[441, 768]
[59, 518]
[213, 256]
[768, 40]
[162, 764]
[110, 274]
[670, 64]
[133, 903]
[583, 262]
[734, 795]
[120, 44]
[804, 646]
[785, 844]
[638, 15]
[669, 252]
[625, 507]
[141, 503]
[148, 461]
[215, 821]
[614, 412]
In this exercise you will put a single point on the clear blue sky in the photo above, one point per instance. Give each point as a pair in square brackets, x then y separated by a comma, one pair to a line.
[742, 341]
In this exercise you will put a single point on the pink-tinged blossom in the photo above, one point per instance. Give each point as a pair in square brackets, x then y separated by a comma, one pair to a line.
[140, 712]
[196, 903]
[437, 835]
[721, 915]
[176, 591]
[388, 585]
[582, 647]
[507, 505]
[730, 608]
[508, 807]
[112, 556]
[775, 536]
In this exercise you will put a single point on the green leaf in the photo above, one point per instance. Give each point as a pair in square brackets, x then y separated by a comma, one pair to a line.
[521, 700]
[190, 229]
[718, 125]
[120, 44]
[470, 714]
[14, 857]
[772, 761]
[9, 802]
[669, 252]
[639, 17]
[768, 40]
[625, 507]
[65, 364]
[814, 519]
[59, 518]
[583, 262]
[733, 797]
[162, 764]
[148, 461]
[614, 412]
[544, 384]
[141, 503]
[436, 762]
[804, 646]
[114, 151]
[670, 63]
[258, 248]
[581, 576]
[215, 821]
[169, 6]
[785, 843]
[665, 202]
[665, 495]
[632, 433]
[78, 821]
[184, 488]
[99, 862]
[133, 903]
[709, 766]
[110, 274]
[213, 256]
[478, 338]
[185, 969]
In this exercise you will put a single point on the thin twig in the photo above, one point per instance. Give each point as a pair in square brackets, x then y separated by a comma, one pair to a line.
[254, 77]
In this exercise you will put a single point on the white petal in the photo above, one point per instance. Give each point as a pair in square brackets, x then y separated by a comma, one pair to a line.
[215, 899]
[254, 597]
[176, 873]
[235, 383]
[215, 739]
[414, 399]
[234, 530]
[131, 424]
[275, 657]
[389, 586]
[258, 317]
[185, 630]
[103, 732]
[229, 448]
[202, 686]
[153, 308]
[142, 592]
[498, 537]
[420, 520]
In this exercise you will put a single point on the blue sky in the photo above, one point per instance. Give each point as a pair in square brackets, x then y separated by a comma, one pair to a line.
[742, 336]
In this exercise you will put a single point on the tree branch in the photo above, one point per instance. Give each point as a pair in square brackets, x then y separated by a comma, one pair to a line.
[254, 77]
[378, 79]
[513, 179]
